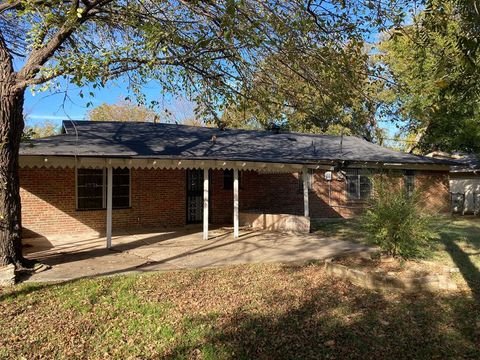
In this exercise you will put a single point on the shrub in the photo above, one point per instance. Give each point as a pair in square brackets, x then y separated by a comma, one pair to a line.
[394, 220]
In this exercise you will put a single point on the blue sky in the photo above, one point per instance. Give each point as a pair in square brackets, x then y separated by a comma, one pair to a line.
[54, 107]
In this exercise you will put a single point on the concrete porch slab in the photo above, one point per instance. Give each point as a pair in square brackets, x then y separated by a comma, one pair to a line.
[79, 256]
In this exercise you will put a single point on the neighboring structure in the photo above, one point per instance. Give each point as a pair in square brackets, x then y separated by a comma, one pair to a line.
[104, 176]
[464, 181]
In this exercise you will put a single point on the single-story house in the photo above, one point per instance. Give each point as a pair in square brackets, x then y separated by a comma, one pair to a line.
[104, 176]
[464, 181]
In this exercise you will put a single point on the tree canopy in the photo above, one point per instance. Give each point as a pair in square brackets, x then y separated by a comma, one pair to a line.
[38, 131]
[433, 79]
[123, 111]
[323, 90]
[210, 50]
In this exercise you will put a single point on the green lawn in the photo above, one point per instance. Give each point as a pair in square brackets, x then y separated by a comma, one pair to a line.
[459, 246]
[254, 311]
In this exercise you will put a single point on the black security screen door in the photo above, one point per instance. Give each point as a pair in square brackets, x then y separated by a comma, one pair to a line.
[194, 196]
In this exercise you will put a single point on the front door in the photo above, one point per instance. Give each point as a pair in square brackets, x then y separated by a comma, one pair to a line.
[194, 196]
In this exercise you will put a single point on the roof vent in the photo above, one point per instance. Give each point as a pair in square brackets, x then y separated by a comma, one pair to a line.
[275, 128]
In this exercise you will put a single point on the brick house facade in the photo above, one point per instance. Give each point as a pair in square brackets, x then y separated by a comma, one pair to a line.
[103, 177]
[158, 199]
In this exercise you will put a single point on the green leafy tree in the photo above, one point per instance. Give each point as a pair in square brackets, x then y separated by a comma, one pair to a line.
[40, 131]
[432, 85]
[123, 111]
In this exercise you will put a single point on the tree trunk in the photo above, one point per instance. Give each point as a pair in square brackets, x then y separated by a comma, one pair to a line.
[11, 129]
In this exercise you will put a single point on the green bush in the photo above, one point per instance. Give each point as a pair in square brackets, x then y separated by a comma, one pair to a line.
[394, 220]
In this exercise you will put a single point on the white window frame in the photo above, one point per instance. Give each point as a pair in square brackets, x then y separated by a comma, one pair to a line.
[359, 174]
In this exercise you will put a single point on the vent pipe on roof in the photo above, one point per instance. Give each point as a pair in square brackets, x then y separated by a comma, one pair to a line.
[274, 128]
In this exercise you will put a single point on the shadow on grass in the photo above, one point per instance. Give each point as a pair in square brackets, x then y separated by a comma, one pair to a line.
[342, 322]
[455, 234]
[299, 314]
[455, 237]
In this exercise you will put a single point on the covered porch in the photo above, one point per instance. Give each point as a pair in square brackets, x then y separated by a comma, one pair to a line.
[81, 256]
[160, 192]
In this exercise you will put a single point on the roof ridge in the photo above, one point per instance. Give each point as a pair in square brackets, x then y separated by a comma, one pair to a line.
[314, 135]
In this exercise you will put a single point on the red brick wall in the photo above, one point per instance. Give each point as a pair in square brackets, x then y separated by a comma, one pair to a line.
[280, 193]
[48, 202]
[274, 193]
[435, 189]
[328, 199]
[221, 209]
[159, 199]
[434, 186]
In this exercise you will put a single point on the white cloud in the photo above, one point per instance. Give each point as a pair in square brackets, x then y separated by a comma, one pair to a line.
[46, 117]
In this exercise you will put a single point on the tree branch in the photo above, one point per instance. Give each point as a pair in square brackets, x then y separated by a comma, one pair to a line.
[41, 55]
[9, 5]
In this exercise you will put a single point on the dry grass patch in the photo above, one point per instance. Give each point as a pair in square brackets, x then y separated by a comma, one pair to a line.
[251, 311]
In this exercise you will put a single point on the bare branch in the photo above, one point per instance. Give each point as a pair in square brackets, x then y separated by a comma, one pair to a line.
[7, 5]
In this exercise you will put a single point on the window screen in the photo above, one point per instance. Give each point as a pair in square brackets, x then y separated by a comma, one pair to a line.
[121, 188]
[227, 179]
[359, 184]
[92, 189]
[409, 181]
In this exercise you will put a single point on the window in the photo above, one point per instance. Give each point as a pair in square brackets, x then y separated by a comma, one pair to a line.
[121, 188]
[310, 174]
[409, 181]
[359, 184]
[92, 189]
[228, 179]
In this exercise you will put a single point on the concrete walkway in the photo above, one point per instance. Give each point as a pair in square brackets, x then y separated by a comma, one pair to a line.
[74, 257]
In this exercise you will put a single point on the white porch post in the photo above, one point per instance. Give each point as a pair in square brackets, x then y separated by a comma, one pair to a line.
[109, 206]
[306, 211]
[235, 203]
[205, 204]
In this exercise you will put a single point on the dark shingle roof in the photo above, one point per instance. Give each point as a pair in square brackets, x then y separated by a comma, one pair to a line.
[465, 162]
[470, 163]
[170, 141]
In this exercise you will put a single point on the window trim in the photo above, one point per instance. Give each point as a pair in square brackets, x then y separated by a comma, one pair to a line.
[104, 200]
[409, 174]
[359, 173]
